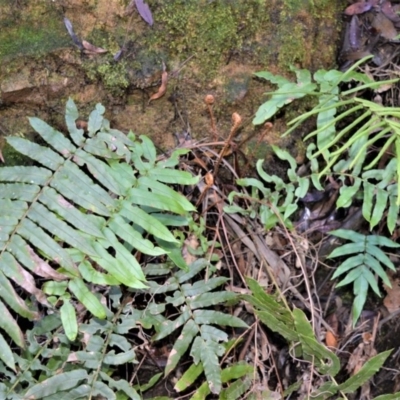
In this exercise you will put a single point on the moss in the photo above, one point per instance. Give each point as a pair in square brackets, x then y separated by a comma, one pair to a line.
[28, 33]
[210, 30]
[113, 75]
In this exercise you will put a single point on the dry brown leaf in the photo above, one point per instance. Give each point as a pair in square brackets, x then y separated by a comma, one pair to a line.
[330, 339]
[392, 300]
[91, 49]
[209, 179]
[163, 87]
[190, 243]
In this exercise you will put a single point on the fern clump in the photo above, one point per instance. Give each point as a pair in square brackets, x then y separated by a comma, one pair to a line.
[77, 218]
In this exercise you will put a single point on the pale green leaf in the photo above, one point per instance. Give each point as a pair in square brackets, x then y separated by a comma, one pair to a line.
[209, 332]
[194, 269]
[124, 386]
[39, 238]
[349, 248]
[325, 360]
[394, 396]
[381, 241]
[40, 214]
[43, 155]
[8, 293]
[173, 176]
[211, 299]
[71, 115]
[348, 234]
[32, 175]
[99, 170]
[77, 186]
[55, 288]
[6, 354]
[54, 138]
[369, 190]
[376, 267]
[127, 232]
[350, 263]
[87, 298]
[120, 341]
[202, 286]
[361, 291]
[149, 151]
[160, 188]
[381, 256]
[92, 275]
[189, 377]
[57, 383]
[19, 191]
[370, 278]
[167, 327]
[189, 331]
[10, 326]
[236, 390]
[147, 222]
[218, 318]
[118, 359]
[144, 197]
[380, 206]
[82, 221]
[95, 119]
[120, 271]
[236, 371]
[347, 193]
[201, 393]
[68, 318]
[393, 214]
[209, 352]
[276, 79]
[101, 389]
[351, 276]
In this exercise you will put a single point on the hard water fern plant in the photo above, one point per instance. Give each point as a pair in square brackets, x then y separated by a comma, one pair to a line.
[365, 259]
[76, 219]
[199, 326]
[343, 149]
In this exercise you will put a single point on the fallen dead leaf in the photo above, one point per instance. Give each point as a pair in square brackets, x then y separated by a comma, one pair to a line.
[91, 49]
[331, 340]
[392, 299]
[163, 87]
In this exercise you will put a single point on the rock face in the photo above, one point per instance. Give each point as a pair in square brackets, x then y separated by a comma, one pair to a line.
[207, 47]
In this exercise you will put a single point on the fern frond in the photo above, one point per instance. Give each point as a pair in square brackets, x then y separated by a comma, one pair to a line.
[78, 213]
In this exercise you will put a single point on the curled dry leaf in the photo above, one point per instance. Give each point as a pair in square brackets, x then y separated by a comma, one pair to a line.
[91, 49]
[163, 87]
[358, 8]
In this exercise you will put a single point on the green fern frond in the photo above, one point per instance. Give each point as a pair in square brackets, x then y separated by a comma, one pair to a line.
[200, 331]
[78, 215]
[366, 259]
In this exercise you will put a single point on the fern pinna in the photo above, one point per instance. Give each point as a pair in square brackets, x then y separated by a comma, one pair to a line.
[76, 218]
